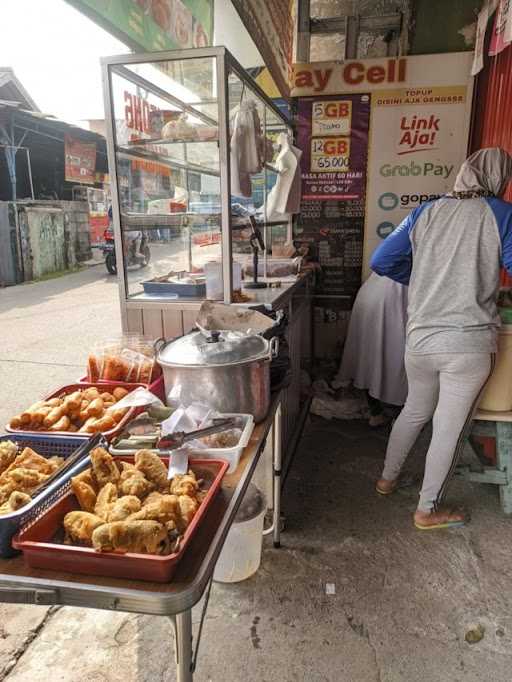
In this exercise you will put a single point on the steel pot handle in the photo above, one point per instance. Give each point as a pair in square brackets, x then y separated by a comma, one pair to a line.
[274, 347]
[159, 344]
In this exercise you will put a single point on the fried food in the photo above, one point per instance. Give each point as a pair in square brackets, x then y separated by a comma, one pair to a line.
[184, 484]
[8, 452]
[80, 526]
[124, 507]
[24, 480]
[140, 537]
[103, 467]
[16, 501]
[83, 410]
[133, 482]
[6, 489]
[29, 459]
[162, 510]
[84, 493]
[105, 501]
[152, 467]
[188, 507]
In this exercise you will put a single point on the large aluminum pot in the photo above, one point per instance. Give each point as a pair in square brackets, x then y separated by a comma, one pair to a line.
[228, 371]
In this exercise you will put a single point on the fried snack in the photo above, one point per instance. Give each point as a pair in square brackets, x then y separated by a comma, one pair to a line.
[8, 452]
[16, 501]
[80, 526]
[140, 537]
[124, 507]
[117, 415]
[105, 500]
[62, 425]
[84, 493]
[73, 401]
[24, 480]
[56, 461]
[29, 459]
[184, 484]
[108, 398]
[155, 496]
[96, 425]
[39, 415]
[26, 416]
[152, 467]
[16, 422]
[54, 415]
[87, 477]
[133, 482]
[188, 507]
[103, 467]
[93, 368]
[90, 394]
[6, 489]
[162, 510]
[119, 393]
[95, 408]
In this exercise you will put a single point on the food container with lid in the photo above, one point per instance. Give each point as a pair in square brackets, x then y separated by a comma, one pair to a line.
[229, 371]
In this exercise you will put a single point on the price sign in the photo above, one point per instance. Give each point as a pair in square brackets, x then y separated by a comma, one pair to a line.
[330, 154]
[331, 117]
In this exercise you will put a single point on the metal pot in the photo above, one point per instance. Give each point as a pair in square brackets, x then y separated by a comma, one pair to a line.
[228, 371]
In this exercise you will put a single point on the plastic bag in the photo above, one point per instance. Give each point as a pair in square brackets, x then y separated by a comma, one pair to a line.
[140, 397]
[129, 359]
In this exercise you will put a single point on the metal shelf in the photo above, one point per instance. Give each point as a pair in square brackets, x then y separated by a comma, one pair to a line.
[164, 140]
[165, 160]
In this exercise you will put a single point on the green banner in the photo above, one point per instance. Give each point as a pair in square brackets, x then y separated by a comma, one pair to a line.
[153, 25]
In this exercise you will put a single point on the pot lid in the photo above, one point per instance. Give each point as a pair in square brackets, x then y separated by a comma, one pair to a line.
[219, 348]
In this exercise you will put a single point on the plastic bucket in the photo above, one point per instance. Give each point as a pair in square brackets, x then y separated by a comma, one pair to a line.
[241, 555]
[497, 396]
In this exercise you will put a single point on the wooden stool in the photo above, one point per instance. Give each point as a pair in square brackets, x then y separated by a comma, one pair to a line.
[501, 474]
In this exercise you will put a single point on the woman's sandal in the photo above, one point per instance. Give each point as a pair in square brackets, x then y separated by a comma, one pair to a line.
[448, 523]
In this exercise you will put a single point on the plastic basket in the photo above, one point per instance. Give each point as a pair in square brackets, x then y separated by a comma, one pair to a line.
[70, 388]
[37, 539]
[46, 447]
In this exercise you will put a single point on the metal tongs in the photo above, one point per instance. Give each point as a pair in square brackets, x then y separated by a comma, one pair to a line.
[174, 441]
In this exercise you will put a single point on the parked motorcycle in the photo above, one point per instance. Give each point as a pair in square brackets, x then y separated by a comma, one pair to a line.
[140, 258]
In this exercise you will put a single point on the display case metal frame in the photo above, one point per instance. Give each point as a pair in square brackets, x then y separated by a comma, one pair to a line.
[225, 64]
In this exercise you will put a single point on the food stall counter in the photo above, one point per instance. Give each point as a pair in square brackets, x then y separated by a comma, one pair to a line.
[23, 585]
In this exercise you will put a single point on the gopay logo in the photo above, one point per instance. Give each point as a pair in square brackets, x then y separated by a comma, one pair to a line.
[388, 170]
[388, 201]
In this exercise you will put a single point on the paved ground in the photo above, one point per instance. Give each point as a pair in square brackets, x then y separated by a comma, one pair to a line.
[403, 600]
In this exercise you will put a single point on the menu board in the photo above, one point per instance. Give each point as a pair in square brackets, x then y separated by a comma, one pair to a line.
[333, 136]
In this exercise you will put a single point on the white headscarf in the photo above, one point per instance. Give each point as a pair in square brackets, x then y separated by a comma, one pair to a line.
[487, 171]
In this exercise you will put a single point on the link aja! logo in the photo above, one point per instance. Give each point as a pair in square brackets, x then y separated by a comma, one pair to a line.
[388, 170]
[418, 133]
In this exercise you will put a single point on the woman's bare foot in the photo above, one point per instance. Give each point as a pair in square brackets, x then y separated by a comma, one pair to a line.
[384, 487]
[438, 519]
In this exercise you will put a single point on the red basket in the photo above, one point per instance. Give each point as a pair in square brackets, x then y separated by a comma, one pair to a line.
[103, 386]
[40, 551]
[157, 386]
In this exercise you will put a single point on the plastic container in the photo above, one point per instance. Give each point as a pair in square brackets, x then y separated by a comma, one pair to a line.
[46, 447]
[107, 386]
[214, 284]
[231, 455]
[241, 555]
[38, 542]
[174, 289]
[497, 396]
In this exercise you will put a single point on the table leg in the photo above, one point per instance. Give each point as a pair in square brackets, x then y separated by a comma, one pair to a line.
[504, 462]
[277, 445]
[183, 631]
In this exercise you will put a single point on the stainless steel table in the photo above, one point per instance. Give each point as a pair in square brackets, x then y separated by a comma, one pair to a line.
[22, 585]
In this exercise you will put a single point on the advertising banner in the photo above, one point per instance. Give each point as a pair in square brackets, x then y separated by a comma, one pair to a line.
[153, 24]
[418, 140]
[271, 25]
[333, 136]
[502, 28]
[80, 161]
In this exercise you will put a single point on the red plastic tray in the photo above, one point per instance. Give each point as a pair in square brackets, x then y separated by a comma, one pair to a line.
[36, 539]
[157, 386]
[102, 386]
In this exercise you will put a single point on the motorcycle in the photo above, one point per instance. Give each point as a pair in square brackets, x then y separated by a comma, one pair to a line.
[141, 258]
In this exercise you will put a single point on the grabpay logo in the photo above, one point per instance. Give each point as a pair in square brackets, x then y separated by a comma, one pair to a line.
[389, 170]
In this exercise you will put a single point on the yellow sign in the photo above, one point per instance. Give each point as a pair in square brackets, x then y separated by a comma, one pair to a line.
[330, 154]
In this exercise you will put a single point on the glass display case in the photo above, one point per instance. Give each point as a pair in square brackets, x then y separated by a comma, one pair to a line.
[192, 142]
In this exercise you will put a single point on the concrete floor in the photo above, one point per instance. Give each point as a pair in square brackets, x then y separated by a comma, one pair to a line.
[402, 600]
